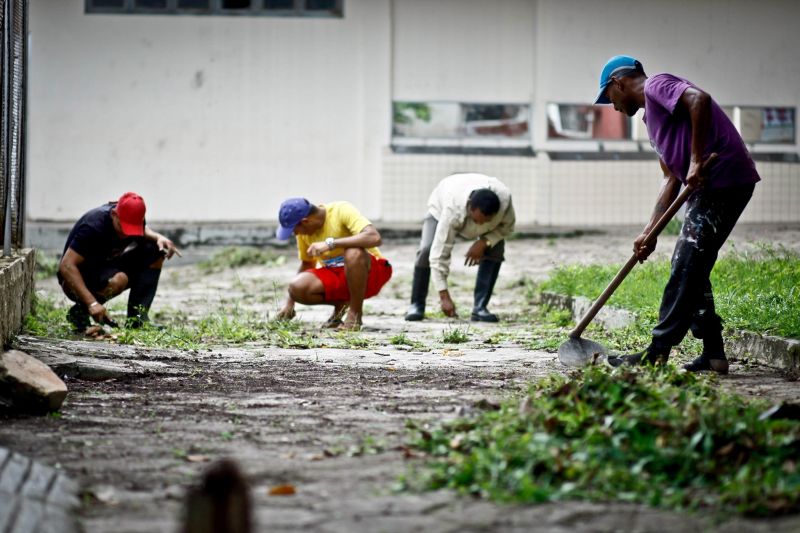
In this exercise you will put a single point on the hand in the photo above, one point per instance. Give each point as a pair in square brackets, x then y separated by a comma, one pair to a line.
[287, 313]
[643, 250]
[475, 252]
[448, 307]
[698, 171]
[318, 248]
[167, 247]
[98, 313]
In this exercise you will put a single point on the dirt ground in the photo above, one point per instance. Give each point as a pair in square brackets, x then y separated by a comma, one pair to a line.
[329, 420]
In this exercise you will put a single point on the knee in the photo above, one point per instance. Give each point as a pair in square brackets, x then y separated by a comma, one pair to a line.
[355, 257]
[116, 284]
[297, 290]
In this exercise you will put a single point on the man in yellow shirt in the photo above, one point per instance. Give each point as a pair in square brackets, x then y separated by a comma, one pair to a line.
[340, 264]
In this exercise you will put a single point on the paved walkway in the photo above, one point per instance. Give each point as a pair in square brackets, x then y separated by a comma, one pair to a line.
[329, 420]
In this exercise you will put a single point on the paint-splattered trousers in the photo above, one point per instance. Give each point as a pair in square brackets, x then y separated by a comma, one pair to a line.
[688, 301]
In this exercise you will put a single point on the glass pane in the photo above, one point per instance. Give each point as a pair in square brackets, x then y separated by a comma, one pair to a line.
[570, 121]
[108, 3]
[193, 4]
[278, 4]
[320, 5]
[495, 120]
[426, 120]
[151, 4]
[235, 4]
[767, 124]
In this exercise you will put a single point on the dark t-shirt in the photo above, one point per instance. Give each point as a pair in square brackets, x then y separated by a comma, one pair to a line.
[94, 237]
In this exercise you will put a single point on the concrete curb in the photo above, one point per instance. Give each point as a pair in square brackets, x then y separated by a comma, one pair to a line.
[768, 350]
[16, 291]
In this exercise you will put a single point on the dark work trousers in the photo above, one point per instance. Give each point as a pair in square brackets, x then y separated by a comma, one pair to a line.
[132, 261]
[494, 253]
[688, 302]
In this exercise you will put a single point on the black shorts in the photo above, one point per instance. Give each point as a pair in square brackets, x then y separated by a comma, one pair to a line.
[132, 261]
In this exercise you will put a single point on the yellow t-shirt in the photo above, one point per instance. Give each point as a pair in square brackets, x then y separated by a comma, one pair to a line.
[342, 219]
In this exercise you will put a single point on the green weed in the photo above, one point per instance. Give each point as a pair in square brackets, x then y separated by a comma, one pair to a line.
[455, 335]
[46, 265]
[239, 256]
[654, 436]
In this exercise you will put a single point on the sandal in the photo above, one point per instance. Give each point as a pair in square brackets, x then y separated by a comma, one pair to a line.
[335, 320]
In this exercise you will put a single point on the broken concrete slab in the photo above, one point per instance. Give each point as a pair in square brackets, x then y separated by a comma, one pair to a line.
[16, 291]
[29, 384]
[608, 317]
[35, 497]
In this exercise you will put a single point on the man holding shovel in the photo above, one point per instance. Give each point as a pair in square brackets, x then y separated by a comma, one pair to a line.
[685, 127]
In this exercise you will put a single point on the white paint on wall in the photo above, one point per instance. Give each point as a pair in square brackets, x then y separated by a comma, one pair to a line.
[221, 118]
[209, 118]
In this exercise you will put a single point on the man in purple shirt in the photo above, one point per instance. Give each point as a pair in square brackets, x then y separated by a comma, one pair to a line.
[685, 127]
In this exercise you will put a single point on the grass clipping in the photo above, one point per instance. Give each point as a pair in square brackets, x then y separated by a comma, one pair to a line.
[653, 436]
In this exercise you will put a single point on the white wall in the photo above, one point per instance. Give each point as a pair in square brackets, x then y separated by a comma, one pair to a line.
[463, 50]
[220, 118]
[741, 52]
[208, 118]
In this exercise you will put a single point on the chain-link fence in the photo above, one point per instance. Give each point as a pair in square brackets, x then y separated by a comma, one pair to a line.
[13, 64]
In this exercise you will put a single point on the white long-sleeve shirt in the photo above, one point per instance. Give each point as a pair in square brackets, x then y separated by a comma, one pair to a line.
[448, 205]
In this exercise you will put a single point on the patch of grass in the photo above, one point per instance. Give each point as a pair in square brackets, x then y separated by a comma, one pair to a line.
[455, 335]
[756, 291]
[654, 436]
[239, 256]
[46, 319]
[673, 227]
[46, 265]
[400, 338]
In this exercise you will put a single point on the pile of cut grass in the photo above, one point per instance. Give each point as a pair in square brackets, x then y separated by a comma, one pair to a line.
[653, 436]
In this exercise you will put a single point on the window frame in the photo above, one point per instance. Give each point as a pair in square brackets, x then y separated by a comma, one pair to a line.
[463, 144]
[215, 8]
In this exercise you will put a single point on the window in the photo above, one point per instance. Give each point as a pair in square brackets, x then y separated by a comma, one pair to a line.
[587, 122]
[461, 127]
[297, 8]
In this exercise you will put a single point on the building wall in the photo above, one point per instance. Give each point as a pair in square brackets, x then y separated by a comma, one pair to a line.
[209, 118]
[220, 118]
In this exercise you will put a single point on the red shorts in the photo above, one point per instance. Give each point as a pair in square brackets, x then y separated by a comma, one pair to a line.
[335, 281]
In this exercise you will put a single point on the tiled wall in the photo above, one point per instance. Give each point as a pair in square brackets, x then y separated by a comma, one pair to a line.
[569, 193]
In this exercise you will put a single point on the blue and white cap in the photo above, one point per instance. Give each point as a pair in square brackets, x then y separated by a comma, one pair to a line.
[616, 66]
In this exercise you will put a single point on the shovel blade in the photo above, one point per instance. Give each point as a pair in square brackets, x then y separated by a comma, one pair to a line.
[577, 352]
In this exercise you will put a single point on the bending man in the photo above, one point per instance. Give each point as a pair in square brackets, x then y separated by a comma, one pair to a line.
[685, 127]
[472, 206]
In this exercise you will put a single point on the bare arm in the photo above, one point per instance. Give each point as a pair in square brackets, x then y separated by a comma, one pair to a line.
[68, 268]
[367, 238]
[669, 191]
[162, 242]
[698, 104]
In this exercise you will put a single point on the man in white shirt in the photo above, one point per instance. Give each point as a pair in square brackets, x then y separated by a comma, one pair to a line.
[473, 206]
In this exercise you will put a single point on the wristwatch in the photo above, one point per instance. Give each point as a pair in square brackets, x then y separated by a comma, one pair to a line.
[329, 241]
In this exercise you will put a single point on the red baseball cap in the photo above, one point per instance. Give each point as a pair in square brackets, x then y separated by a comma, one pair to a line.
[130, 210]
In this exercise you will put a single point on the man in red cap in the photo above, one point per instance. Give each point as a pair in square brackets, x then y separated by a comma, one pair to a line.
[111, 249]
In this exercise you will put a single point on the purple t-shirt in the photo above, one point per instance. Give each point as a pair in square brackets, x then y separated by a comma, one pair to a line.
[670, 129]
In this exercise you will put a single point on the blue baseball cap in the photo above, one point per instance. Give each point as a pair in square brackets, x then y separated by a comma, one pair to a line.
[616, 66]
[292, 211]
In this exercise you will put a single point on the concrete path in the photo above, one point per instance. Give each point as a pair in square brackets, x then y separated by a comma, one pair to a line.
[140, 424]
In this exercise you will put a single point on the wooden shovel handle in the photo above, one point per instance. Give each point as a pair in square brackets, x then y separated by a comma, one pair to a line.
[623, 272]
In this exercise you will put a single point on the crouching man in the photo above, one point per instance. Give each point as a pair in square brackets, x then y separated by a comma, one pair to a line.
[472, 206]
[340, 264]
[111, 249]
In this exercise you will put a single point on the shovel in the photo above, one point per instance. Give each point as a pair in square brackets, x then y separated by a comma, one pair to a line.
[578, 352]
